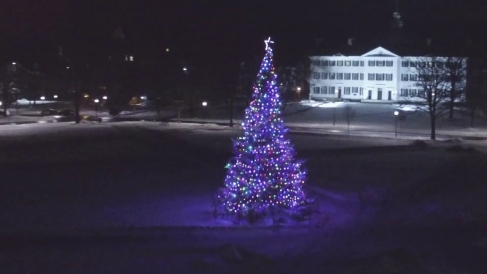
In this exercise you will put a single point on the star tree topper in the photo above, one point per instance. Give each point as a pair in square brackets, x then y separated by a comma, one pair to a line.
[267, 42]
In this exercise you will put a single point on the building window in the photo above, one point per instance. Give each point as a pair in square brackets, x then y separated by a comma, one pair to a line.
[413, 64]
[355, 63]
[346, 91]
[422, 64]
[355, 90]
[126, 57]
[348, 63]
[331, 63]
[361, 92]
[332, 75]
[371, 63]
[354, 76]
[324, 75]
[339, 76]
[348, 76]
[316, 90]
[371, 77]
[413, 77]
[404, 77]
[420, 93]
[331, 90]
[131, 58]
[379, 76]
[413, 92]
[361, 63]
[316, 63]
[404, 92]
[379, 63]
[389, 63]
[431, 64]
[404, 64]
[440, 64]
[389, 77]
[324, 63]
[340, 63]
[361, 76]
[316, 75]
[324, 90]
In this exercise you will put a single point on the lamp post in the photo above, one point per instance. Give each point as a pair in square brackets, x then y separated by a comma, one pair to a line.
[96, 107]
[298, 90]
[396, 114]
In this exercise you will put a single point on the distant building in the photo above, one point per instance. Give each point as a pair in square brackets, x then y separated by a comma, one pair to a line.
[378, 75]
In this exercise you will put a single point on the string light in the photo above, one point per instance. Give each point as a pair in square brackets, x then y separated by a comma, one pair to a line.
[264, 173]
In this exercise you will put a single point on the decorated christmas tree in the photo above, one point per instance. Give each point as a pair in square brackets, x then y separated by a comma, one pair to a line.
[264, 175]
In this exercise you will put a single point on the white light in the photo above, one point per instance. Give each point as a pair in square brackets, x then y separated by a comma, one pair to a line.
[104, 97]
[43, 98]
[167, 49]
[67, 67]
[0, 103]
[55, 96]
[204, 104]
[396, 112]
[185, 69]
[13, 63]
[143, 97]
[96, 100]
[131, 58]
[299, 89]
[86, 96]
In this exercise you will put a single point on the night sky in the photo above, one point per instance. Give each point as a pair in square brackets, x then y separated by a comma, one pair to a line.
[216, 35]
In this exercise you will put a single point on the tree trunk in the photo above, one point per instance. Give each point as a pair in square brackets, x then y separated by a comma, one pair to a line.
[433, 126]
[472, 116]
[452, 102]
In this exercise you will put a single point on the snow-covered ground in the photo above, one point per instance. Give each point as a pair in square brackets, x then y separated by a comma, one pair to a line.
[137, 197]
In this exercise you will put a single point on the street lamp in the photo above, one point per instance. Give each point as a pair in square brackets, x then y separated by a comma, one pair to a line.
[204, 104]
[299, 93]
[396, 114]
[104, 97]
[96, 100]
[55, 96]
[43, 98]
[96, 107]
[13, 63]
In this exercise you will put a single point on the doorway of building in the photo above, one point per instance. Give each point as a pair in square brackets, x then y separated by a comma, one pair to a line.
[389, 95]
[379, 94]
[339, 93]
[369, 96]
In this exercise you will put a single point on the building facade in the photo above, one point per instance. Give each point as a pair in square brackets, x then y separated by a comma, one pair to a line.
[378, 75]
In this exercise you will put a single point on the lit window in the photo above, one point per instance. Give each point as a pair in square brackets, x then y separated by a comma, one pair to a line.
[340, 63]
[126, 58]
[347, 63]
[131, 58]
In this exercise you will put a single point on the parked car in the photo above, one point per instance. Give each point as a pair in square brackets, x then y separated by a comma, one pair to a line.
[50, 111]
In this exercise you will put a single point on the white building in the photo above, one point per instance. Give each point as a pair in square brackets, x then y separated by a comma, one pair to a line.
[378, 75]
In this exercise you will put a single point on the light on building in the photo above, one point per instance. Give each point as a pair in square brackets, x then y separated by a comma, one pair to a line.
[167, 49]
[185, 69]
[43, 98]
[299, 89]
[126, 58]
[13, 63]
[96, 100]
[0, 103]
[204, 104]
[396, 113]
[67, 67]
[55, 96]
[86, 96]
[131, 58]
[104, 97]
[143, 97]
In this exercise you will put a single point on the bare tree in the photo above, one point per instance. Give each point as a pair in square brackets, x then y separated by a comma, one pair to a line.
[455, 72]
[434, 87]
[349, 113]
[317, 68]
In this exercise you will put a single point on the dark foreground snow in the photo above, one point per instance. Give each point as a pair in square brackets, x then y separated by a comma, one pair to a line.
[137, 198]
